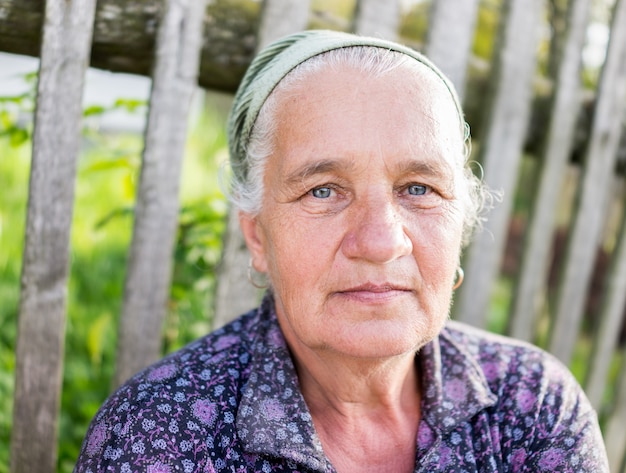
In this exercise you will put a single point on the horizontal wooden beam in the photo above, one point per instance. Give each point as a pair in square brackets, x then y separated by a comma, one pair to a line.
[125, 34]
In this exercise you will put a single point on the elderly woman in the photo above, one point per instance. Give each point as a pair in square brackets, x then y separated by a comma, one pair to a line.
[355, 197]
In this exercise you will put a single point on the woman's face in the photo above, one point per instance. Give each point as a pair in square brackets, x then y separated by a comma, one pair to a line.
[362, 212]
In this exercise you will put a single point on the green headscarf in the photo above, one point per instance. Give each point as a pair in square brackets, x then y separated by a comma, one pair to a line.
[276, 60]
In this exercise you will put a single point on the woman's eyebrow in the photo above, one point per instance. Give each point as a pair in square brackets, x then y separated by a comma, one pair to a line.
[308, 169]
[439, 169]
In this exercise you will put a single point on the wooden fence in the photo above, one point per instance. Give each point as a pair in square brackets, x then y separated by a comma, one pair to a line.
[540, 310]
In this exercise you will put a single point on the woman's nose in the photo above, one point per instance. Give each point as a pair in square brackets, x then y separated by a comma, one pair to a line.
[377, 234]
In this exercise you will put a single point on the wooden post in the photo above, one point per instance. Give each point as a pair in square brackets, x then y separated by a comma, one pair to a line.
[148, 276]
[500, 152]
[555, 154]
[606, 340]
[615, 436]
[450, 38]
[280, 18]
[65, 47]
[378, 19]
[234, 294]
[601, 155]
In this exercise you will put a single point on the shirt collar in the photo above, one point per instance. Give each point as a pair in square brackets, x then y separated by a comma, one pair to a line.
[455, 386]
[274, 419]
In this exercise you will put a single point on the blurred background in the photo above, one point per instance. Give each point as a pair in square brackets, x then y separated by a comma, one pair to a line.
[114, 110]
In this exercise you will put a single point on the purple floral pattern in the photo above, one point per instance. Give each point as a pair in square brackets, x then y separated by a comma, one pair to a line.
[205, 411]
[230, 402]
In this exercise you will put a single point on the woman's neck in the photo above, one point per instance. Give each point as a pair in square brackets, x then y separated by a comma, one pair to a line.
[348, 385]
[366, 412]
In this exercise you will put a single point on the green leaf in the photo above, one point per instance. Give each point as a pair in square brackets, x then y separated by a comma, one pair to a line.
[124, 162]
[94, 110]
[7, 120]
[117, 213]
[97, 336]
[18, 136]
[16, 99]
[31, 77]
[130, 105]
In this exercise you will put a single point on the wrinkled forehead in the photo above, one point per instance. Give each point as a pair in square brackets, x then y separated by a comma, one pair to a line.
[408, 95]
[274, 62]
[404, 114]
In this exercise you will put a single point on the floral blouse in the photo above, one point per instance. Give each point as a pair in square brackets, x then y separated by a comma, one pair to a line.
[230, 402]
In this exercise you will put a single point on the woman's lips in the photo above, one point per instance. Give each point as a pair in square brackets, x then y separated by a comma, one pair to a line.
[374, 292]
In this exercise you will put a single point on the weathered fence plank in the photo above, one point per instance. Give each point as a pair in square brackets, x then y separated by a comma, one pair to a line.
[156, 213]
[450, 48]
[282, 18]
[500, 151]
[376, 18]
[234, 294]
[615, 435]
[606, 340]
[593, 197]
[65, 49]
[530, 288]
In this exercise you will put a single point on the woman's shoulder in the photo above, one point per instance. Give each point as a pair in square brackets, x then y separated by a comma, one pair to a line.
[488, 348]
[524, 377]
[501, 356]
[182, 397]
[212, 359]
[540, 413]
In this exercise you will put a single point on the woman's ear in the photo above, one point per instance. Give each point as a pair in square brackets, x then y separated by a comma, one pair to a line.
[253, 234]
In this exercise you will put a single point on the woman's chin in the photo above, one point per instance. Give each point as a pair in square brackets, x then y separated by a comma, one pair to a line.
[380, 339]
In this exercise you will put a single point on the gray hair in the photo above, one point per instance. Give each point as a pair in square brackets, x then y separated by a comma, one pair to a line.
[247, 187]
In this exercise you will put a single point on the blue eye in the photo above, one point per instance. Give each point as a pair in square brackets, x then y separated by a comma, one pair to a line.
[321, 192]
[416, 189]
